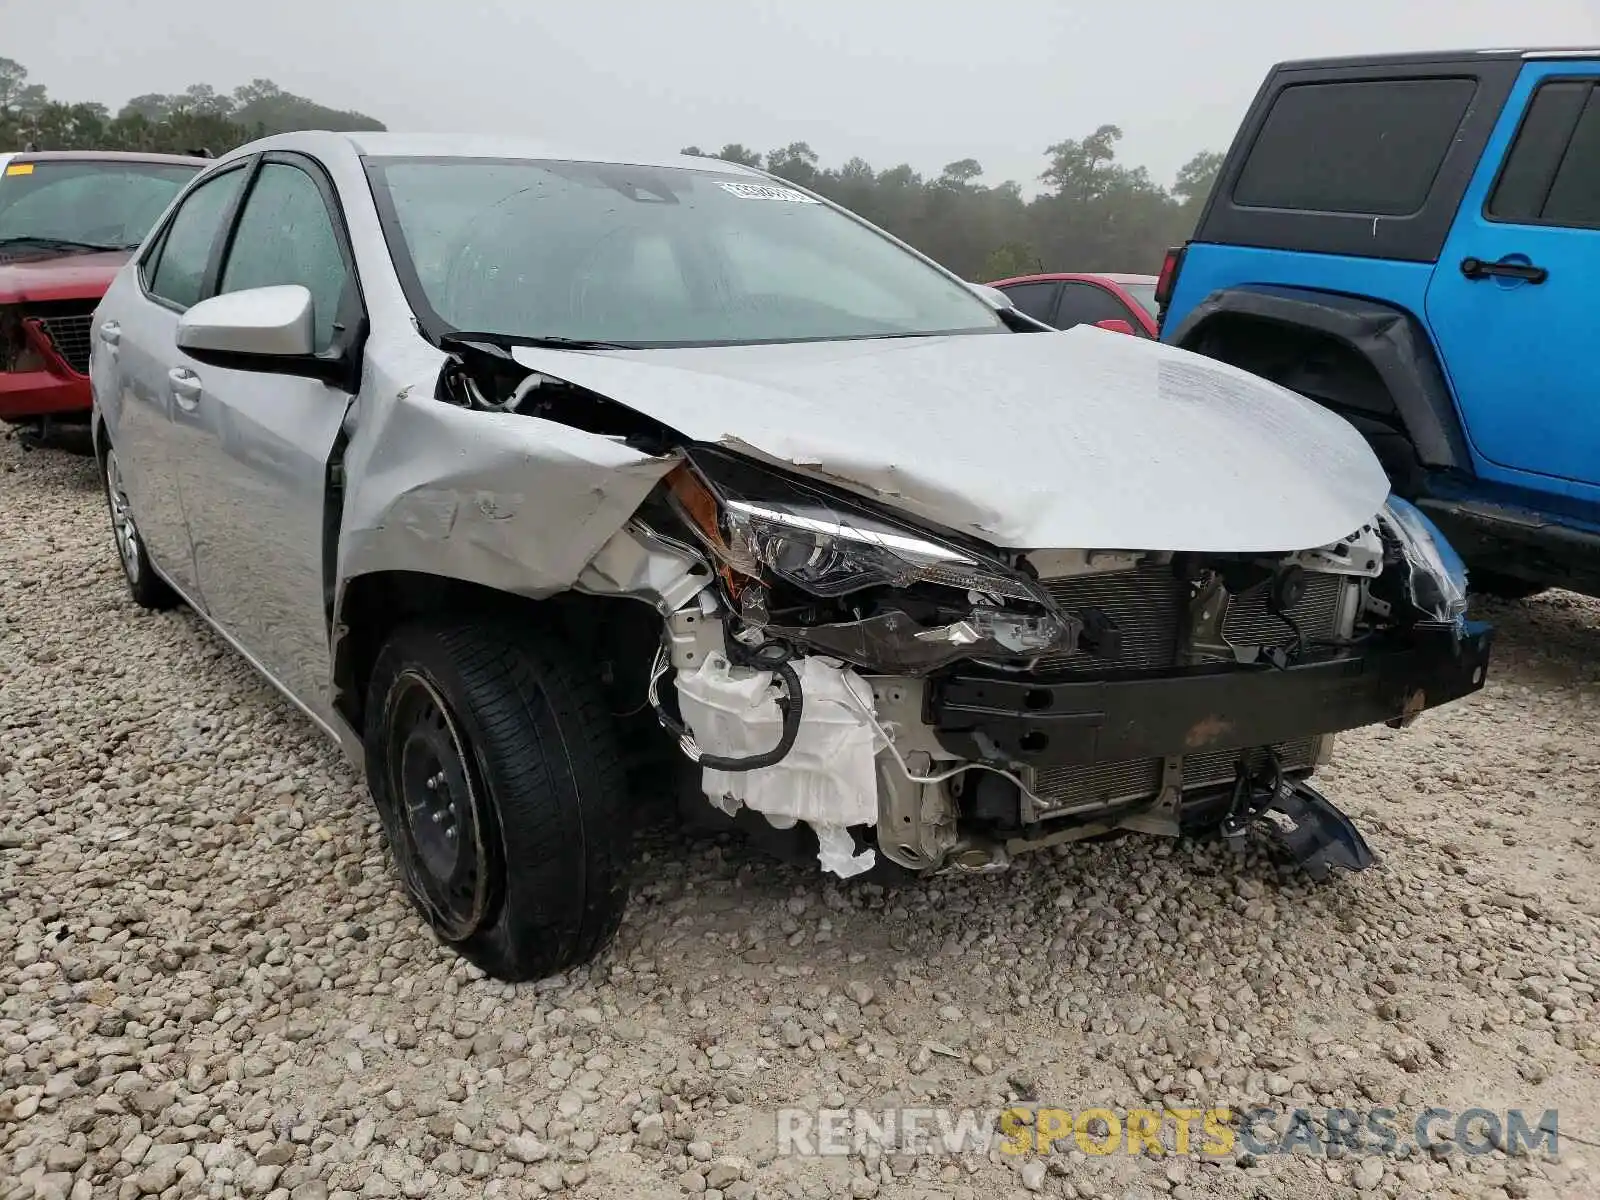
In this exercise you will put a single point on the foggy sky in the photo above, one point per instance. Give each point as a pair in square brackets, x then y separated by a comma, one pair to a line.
[889, 80]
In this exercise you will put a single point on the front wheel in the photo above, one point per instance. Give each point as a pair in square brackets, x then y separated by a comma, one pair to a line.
[493, 762]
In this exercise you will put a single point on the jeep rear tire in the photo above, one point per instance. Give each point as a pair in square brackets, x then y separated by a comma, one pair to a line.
[494, 765]
[1481, 582]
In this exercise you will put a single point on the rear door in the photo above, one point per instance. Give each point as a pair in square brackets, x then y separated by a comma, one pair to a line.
[136, 327]
[255, 481]
[1512, 302]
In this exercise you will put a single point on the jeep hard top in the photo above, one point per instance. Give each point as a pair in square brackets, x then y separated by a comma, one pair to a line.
[1413, 241]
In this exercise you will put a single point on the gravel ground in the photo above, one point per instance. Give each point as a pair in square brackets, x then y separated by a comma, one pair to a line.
[210, 986]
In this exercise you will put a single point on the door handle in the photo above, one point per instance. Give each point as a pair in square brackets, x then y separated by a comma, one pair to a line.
[185, 388]
[1476, 268]
[111, 333]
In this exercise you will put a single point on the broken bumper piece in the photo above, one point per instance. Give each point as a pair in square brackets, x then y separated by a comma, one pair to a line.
[1302, 825]
[1386, 680]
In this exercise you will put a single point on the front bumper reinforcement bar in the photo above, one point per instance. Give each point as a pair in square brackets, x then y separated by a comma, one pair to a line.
[1189, 711]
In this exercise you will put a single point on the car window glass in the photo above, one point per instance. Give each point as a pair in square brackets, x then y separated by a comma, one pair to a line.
[98, 203]
[651, 256]
[1085, 303]
[186, 248]
[1367, 146]
[286, 235]
[1037, 300]
[1552, 173]
[750, 259]
[1145, 294]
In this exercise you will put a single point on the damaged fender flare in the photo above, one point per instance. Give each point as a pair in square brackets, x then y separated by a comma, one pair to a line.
[1390, 339]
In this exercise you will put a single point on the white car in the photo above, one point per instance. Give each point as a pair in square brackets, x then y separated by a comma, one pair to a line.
[500, 459]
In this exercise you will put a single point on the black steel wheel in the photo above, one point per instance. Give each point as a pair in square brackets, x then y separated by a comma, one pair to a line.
[493, 761]
[429, 772]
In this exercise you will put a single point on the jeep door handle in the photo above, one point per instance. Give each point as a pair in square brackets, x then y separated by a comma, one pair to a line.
[1476, 268]
[111, 333]
[185, 388]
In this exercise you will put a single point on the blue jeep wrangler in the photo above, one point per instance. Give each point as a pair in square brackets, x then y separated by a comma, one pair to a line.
[1414, 242]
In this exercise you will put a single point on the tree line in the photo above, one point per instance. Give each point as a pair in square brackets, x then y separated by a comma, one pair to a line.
[198, 118]
[1092, 212]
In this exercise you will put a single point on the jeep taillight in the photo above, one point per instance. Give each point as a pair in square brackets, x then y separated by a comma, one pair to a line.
[1168, 279]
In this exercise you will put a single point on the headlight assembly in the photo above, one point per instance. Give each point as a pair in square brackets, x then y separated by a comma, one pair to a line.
[828, 552]
[763, 523]
[939, 601]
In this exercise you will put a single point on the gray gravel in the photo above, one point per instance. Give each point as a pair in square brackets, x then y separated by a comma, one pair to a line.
[210, 986]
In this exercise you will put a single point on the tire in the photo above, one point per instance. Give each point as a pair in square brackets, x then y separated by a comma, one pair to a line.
[147, 588]
[1502, 587]
[494, 764]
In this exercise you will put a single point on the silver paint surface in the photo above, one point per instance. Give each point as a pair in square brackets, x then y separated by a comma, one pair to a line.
[1074, 440]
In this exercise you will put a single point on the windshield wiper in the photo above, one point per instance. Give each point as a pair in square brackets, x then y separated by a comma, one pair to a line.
[55, 243]
[506, 340]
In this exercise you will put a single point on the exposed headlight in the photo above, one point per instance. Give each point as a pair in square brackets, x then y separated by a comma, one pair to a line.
[1437, 585]
[775, 529]
[827, 547]
[828, 552]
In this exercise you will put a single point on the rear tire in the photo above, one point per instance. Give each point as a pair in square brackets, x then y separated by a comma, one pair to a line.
[492, 759]
[147, 588]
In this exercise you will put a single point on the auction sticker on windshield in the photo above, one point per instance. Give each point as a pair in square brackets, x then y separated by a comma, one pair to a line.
[763, 191]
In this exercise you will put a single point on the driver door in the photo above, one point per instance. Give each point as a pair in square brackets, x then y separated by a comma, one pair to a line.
[255, 482]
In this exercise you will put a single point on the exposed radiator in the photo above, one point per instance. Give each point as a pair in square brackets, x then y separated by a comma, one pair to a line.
[1107, 785]
[1150, 606]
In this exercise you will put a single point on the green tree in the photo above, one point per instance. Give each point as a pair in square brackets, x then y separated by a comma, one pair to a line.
[796, 162]
[152, 106]
[735, 153]
[1197, 177]
[1080, 169]
[1012, 258]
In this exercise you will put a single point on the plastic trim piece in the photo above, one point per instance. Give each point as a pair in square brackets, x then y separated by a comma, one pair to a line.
[1390, 338]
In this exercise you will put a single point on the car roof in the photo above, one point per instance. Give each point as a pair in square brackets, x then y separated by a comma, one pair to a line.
[105, 156]
[477, 145]
[1422, 57]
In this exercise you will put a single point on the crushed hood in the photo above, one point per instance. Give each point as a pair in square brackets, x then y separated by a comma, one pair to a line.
[1082, 439]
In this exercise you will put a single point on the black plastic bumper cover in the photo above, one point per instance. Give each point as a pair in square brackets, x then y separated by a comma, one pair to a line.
[1192, 711]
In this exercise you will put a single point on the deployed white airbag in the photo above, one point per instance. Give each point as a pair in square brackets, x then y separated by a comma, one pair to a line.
[827, 780]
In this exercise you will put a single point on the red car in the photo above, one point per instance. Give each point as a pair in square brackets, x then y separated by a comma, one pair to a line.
[68, 222]
[1124, 303]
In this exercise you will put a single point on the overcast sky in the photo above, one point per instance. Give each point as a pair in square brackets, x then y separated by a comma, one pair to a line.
[924, 82]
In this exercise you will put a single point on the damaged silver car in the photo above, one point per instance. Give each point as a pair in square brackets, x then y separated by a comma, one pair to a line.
[515, 468]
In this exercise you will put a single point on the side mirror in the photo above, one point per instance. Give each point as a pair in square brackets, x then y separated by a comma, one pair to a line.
[1116, 325]
[265, 322]
[992, 296]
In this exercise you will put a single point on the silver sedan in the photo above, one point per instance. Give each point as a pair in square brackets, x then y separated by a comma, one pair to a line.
[538, 477]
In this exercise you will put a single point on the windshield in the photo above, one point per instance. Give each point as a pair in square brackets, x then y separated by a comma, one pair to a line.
[1145, 294]
[106, 203]
[649, 256]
